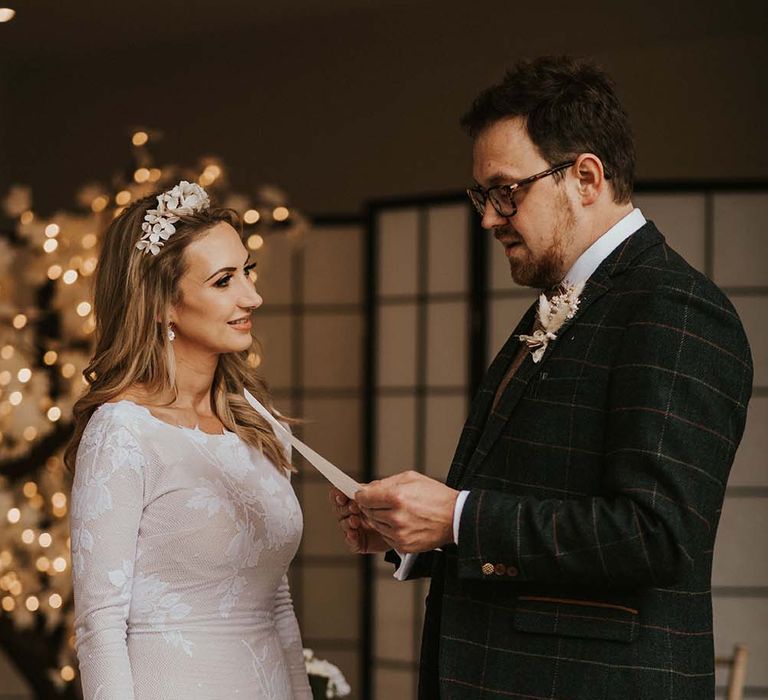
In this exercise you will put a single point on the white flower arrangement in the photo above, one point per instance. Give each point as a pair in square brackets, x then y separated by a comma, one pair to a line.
[551, 316]
[182, 200]
[337, 686]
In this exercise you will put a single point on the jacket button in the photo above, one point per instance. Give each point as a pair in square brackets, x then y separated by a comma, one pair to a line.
[512, 571]
[500, 569]
[487, 568]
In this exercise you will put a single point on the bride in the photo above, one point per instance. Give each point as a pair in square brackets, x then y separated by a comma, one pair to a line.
[183, 518]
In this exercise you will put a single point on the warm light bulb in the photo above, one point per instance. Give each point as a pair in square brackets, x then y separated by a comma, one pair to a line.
[52, 230]
[68, 673]
[280, 214]
[83, 308]
[50, 245]
[8, 603]
[30, 489]
[54, 272]
[251, 216]
[27, 218]
[5, 377]
[28, 536]
[54, 600]
[141, 175]
[15, 398]
[43, 564]
[89, 265]
[32, 603]
[24, 375]
[60, 564]
[14, 515]
[140, 138]
[54, 413]
[59, 500]
[6, 14]
[155, 174]
[29, 433]
[68, 370]
[99, 203]
[45, 539]
[50, 357]
[7, 352]
[89, 240]
[70, 276]
[19, 321]
[255, 242]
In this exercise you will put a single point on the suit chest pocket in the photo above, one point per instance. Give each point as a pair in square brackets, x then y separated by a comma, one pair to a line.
[576, 618]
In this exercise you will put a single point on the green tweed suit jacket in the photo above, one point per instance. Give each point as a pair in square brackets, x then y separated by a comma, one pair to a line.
[584, 560]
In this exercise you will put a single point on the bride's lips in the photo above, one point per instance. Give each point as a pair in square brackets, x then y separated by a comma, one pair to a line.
[244, 325]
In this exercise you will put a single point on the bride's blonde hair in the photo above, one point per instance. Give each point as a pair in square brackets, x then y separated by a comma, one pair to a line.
[131, 291]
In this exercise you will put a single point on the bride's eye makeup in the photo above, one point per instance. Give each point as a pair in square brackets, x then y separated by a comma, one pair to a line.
[224, 281]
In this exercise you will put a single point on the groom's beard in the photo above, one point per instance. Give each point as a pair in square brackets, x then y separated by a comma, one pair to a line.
[548, 269]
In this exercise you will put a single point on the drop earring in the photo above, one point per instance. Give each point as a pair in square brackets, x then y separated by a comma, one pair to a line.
[171, 334]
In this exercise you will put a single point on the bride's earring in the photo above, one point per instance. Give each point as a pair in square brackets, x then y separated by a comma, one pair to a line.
[171, 334]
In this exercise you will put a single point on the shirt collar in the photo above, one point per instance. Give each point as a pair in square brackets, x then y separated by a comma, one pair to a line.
[591, 258]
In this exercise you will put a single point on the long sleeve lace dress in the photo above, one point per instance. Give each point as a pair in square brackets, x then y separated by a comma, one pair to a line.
[181, 541]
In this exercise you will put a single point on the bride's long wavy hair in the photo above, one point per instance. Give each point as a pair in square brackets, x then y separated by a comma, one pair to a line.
[131, 291]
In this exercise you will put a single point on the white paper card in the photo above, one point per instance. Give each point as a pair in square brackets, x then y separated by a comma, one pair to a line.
[346, 484]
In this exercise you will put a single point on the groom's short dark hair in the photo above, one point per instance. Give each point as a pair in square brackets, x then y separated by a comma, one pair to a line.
[570, 107]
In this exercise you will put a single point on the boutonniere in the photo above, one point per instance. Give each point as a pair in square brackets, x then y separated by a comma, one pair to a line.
[552, 314]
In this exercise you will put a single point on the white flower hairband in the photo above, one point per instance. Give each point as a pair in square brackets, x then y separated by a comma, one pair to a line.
[184, 199]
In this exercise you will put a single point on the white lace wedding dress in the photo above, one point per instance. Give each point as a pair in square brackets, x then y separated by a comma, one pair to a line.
[180, 545]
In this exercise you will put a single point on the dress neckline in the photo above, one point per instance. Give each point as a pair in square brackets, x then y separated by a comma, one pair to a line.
[149, 413]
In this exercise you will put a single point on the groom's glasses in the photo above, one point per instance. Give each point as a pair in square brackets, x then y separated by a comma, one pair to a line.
[503, 196]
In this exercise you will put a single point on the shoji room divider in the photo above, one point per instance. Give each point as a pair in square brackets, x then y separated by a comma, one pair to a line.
[312, 331]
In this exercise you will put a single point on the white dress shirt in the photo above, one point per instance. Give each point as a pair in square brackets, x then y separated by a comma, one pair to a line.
[580, 271]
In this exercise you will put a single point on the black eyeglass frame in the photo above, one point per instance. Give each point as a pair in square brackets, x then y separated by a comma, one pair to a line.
[479, 195]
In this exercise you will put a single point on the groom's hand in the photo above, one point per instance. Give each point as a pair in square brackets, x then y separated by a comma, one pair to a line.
[411, 511]
[360, 537]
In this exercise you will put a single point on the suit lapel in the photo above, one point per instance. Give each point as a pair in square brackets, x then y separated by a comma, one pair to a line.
[481, 404]
[484, 433]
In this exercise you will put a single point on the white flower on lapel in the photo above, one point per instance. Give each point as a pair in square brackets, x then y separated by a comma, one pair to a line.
[550, 317]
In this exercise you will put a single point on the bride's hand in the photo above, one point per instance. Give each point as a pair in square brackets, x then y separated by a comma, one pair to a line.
[360, 537]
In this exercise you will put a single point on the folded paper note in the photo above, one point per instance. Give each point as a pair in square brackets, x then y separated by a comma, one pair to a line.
[346, 484]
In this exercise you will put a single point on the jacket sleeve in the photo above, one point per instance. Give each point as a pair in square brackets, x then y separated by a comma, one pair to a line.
[107, 503]
[672, 431]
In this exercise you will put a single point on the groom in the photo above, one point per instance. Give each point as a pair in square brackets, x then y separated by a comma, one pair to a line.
[570, 550]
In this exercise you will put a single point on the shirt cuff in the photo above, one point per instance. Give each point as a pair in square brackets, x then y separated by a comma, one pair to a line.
[406, 564]
[457, 514]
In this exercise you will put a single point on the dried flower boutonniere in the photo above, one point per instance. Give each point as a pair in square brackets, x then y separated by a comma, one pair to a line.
[551, 316]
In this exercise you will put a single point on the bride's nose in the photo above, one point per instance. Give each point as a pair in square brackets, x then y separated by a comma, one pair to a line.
[252, 300]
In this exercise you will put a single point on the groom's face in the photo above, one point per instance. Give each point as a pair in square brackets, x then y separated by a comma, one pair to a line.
[537, 238]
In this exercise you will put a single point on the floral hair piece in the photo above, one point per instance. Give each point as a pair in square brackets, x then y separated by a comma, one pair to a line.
[182, 200]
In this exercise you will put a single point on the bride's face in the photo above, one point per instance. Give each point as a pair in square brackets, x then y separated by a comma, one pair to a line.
[216, 290]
